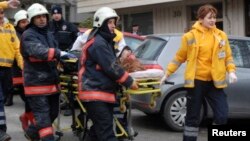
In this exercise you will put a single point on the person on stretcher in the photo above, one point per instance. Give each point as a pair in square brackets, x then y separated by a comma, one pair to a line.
[130, 63]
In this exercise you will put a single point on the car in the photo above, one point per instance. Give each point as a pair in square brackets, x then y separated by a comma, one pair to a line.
[158, 50]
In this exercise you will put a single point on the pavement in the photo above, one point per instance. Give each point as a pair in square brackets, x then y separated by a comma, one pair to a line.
[14, 128]
[149, 128]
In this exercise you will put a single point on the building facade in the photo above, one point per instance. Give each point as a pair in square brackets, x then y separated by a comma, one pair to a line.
[173, 16]
[68, 7]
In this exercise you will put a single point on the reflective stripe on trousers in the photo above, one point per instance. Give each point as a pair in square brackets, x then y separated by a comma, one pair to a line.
[190, 133]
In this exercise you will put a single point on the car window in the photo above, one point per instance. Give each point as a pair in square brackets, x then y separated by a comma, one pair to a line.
[241, 52]
[150, 49]
[133, 43]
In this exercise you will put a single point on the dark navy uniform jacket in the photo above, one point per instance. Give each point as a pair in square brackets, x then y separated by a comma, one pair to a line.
[65, 33]
[100, 73]
[41, 55]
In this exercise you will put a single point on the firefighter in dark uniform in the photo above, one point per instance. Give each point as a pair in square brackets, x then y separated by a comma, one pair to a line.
[41, 80]
[64, 32]
[21, 23]
[99, 75]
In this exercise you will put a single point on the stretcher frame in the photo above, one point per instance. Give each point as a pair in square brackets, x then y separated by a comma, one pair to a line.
[80, 128]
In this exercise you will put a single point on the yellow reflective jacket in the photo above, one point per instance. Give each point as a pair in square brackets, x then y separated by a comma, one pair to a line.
[222, 60]
[9, 46]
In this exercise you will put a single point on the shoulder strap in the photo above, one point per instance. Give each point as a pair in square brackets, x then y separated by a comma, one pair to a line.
[85, 47]
[92, 33]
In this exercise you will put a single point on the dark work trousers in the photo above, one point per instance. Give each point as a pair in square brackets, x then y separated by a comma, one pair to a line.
[23, 97]
[5, 89]
[101, 113]
[45, 109]
[216, 98]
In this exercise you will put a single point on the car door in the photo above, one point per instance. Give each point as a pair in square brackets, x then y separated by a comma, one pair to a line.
[238, 93]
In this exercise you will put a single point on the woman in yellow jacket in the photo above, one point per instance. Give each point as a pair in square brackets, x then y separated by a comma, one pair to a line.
[9, 50]
[207, 52]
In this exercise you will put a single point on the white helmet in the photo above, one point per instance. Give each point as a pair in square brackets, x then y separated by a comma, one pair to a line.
[103, 14]
[36, 9]
[20, 15]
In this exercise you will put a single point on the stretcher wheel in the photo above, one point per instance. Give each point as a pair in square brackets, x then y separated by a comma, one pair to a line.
[123, 108]
[152, 104]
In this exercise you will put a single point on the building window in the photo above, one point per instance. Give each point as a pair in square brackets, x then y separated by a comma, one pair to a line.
[67, 13]
[49, 7]
[247, 17]
[144, 20]
[219, 20]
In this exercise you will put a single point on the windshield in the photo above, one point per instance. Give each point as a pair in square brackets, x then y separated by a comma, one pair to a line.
[150, 49]
[133, 43]
[241, 52]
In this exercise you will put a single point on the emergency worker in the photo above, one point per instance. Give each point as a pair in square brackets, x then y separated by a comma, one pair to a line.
[119, 46]
[41, 81]
[99, 74]
[209, 58]
[9, 51]
[64, 32]
[16, 71]
[21, 23]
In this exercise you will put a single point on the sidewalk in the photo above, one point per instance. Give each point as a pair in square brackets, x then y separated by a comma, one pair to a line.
[14, 126]
[149, 128]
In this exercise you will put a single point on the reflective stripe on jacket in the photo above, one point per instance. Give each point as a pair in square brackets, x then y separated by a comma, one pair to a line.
[222, 60]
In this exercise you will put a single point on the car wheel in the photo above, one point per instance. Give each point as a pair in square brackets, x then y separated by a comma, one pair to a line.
[174, 111]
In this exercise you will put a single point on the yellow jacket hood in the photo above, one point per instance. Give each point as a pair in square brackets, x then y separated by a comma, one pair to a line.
[202, 29]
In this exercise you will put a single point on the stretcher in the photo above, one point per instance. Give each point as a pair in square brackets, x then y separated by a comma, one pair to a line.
[81, 123]
[146, 87]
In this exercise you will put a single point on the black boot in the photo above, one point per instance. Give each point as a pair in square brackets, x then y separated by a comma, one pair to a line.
[31, 136]
[4, 136]
[9, 100]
